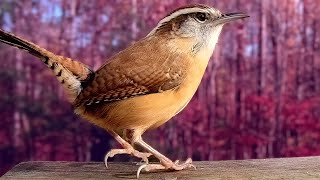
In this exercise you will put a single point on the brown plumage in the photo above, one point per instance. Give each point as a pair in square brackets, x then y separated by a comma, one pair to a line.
[127, 79]
[146, 84]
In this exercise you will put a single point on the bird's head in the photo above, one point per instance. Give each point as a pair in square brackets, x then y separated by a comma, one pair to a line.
[199, 24]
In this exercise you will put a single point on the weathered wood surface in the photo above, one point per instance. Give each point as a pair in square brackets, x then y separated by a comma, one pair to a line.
[304, 168]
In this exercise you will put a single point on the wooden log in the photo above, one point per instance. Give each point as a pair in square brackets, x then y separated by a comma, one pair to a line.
[304, 168]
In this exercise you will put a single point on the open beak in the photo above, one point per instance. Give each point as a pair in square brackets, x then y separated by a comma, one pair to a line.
[228, 17]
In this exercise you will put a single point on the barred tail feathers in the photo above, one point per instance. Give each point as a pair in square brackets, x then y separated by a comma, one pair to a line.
[73, 75]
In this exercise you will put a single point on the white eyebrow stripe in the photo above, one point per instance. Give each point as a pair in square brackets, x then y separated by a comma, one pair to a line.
[178, 13]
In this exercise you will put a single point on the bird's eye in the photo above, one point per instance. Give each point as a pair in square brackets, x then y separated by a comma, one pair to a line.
[201, 17]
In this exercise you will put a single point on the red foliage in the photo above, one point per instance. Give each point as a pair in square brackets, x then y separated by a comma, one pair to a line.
[259, 98]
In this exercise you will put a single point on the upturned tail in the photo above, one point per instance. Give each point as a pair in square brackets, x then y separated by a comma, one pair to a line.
[73, 75]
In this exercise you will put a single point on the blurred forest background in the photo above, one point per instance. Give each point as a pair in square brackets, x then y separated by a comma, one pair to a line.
[260, 96]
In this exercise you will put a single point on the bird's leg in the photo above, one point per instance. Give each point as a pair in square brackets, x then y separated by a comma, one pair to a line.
[127, 149]
[165, 163]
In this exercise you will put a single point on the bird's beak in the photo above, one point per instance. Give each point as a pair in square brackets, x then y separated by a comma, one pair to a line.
[228, 17]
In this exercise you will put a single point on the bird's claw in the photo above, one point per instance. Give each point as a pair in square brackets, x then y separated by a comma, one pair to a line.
[170, 166]
[142, 155]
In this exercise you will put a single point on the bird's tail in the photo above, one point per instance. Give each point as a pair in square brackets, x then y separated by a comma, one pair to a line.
[73, 75]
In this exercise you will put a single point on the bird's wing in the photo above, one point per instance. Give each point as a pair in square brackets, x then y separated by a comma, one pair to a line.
[127, 76]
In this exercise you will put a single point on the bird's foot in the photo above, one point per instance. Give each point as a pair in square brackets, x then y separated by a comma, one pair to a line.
[167, 165]
[142, 155]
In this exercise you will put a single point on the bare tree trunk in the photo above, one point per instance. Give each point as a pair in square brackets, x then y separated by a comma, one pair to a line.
[262, 51]
[134, 27]
[260, 67]
[238, 83]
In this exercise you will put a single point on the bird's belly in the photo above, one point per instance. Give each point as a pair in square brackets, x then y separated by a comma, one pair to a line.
[145, 112]
[149, 111]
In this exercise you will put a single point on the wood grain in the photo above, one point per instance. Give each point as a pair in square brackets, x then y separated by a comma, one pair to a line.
[306, 168]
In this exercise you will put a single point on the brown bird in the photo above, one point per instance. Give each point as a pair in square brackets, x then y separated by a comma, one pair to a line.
[146, 84]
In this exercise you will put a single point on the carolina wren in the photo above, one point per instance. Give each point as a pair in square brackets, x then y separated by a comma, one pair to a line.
[146, 84]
